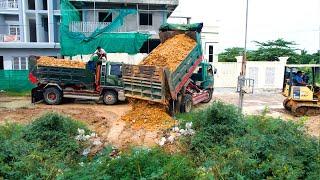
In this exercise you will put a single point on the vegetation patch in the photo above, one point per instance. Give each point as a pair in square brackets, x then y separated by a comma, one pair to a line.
[225, 144]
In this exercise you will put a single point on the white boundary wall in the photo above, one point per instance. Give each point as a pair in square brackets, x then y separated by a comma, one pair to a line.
[268, 75]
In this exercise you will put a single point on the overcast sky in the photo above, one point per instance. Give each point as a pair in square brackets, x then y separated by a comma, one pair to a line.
[293, 20]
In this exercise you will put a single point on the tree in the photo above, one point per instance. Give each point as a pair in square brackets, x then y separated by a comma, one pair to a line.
[229, 54]
[272, 50]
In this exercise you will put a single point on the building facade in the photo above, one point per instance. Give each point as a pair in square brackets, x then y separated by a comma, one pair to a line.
[31, 27]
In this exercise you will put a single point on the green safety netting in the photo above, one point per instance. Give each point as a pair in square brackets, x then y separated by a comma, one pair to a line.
[15, 81]
[76, 43]
[182, 27]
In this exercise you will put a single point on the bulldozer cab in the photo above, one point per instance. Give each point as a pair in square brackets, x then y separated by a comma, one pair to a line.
[302, 82]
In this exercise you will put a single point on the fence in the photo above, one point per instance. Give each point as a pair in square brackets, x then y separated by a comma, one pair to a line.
[15, 81]
[266, 74]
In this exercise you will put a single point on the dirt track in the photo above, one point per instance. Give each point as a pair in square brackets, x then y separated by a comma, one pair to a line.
[105, 120]
[272, 104]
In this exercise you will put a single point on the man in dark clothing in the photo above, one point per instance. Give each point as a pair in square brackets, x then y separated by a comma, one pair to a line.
[298, 79]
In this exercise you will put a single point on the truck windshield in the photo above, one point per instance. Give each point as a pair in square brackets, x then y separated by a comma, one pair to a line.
[115, 70]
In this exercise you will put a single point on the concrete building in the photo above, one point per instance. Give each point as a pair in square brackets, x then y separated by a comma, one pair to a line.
[31, 27]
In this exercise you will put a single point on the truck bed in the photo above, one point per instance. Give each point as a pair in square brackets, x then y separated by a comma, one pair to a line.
[65, 76]
[158, 84]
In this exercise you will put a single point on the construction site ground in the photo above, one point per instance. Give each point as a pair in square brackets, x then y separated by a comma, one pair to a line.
[106, 120]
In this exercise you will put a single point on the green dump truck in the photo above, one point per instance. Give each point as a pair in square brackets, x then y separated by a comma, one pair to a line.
[97, 80]
[189, 84]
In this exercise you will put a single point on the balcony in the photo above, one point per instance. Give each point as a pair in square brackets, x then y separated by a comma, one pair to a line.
[9, 38]
[8, 4]
[86, 27]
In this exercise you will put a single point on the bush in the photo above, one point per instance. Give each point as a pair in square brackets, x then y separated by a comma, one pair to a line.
[39, 150]
[227, 145]
[137, 164]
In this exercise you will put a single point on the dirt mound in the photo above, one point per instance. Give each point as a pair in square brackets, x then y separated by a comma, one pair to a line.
[171, 52]
[148, 116]
[50, 61]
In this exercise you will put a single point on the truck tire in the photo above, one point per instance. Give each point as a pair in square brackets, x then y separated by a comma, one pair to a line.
[186, 105]
[52, 96]
[210, 91]
[110, 97]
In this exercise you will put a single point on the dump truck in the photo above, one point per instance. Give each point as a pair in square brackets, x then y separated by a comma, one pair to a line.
[96, 80]
[190, 83]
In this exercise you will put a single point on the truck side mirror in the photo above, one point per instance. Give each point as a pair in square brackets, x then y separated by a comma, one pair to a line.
[215, 70]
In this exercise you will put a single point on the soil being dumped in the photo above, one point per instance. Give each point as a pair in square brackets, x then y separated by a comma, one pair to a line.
[148, 116]
[169, 54]
[50, 61]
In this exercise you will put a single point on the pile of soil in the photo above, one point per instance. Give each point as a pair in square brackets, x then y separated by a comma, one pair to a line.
[149, 116]
[50, 61]
[170, 53]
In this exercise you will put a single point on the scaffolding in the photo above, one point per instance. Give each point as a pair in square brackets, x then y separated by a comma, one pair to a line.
[82, 43]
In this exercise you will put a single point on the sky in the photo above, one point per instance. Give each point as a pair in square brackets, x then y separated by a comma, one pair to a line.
[292, 20]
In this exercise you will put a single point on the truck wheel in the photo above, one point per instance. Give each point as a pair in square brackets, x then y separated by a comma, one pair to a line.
[52, 96]
[110, 98]
[210, 91]
[186, 105]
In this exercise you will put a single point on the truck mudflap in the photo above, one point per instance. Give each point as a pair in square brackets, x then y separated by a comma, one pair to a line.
[36, 95]
[144, 82]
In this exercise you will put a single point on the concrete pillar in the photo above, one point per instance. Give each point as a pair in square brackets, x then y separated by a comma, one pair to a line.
[283, 60]
[21, 21]
[51, 24]
[25, 21]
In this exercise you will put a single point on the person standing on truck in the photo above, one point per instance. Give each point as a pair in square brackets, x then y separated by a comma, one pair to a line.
[101, 53]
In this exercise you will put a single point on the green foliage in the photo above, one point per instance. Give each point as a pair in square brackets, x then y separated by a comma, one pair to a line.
[229, 54]
[39, 150]
[227, 145]
[271, 51]
[137, 164]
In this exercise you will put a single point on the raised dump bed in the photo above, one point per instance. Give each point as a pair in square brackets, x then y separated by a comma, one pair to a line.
[162, 78]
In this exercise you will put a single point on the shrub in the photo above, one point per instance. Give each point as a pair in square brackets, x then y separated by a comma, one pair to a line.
[137, 164]
[39, 150]
[228, 145]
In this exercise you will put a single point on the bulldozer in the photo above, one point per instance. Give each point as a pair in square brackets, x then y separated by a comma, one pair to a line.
[302, 98]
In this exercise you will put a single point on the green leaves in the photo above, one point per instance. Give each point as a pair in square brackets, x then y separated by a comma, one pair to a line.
[271, 51]
[229, 145]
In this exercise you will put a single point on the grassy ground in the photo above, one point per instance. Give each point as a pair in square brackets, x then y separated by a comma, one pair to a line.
[225, 145]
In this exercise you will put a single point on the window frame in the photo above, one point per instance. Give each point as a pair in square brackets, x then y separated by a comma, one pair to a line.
[148, 19]
[19, 65]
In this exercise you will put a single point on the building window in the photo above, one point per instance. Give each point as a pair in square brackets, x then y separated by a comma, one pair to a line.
[210, 53]
[14, 30]
[145, 19]
[20, 63]
[1, 63]
[105, 17]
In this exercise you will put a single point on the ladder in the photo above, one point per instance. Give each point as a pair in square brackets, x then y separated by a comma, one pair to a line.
[103, 74]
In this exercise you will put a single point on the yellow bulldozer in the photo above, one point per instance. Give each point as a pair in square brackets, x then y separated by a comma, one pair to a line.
[301, 87]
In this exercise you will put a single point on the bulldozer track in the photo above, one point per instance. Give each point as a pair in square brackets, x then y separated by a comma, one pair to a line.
[306, 110]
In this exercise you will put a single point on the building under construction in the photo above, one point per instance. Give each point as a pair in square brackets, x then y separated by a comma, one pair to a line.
[40, 27]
